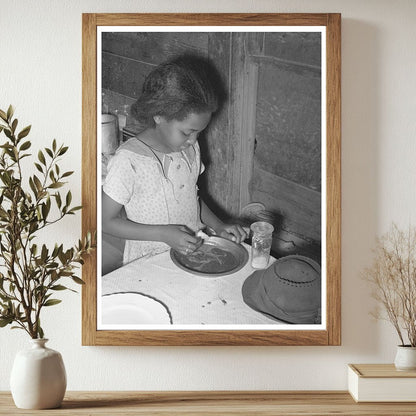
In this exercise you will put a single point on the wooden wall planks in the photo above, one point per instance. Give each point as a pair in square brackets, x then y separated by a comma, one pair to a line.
[230, 137]
[301, 47]
[296, 207]
[215, 141]
[288, 132]
[288, 125]
[128, 57]
[227, 146]
[154, 47]
[123, 76]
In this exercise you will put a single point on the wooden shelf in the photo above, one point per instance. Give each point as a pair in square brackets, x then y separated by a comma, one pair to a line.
[178, 403]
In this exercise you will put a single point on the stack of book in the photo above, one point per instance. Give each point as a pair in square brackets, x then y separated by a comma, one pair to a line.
[381, 383]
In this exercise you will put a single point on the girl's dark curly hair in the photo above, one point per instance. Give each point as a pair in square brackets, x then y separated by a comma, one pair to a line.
[176, 89]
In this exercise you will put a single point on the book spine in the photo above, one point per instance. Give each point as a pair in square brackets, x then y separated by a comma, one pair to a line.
[353, 381]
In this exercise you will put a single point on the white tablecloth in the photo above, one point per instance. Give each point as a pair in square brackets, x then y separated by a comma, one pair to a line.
[191, 299]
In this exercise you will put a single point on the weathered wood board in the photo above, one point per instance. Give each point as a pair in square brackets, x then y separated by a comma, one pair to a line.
[298, 209]
[288, 125]
[154, 47]
[301, 47]
[214, 184]
[127, 57]
[123, 76]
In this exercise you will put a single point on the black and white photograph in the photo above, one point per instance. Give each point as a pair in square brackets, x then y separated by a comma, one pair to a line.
[211, 154]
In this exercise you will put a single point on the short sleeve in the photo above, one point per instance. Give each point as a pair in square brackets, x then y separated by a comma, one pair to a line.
[118, 184]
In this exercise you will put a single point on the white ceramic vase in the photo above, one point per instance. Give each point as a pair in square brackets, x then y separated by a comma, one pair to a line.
[38, 377]
[405, 358]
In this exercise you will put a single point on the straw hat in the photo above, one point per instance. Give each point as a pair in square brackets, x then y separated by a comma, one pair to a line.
[289, 290]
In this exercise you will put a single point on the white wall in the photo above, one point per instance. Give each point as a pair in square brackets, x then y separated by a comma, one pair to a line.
[40, 73]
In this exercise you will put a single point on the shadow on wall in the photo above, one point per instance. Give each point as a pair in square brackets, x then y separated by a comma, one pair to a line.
[360, 186]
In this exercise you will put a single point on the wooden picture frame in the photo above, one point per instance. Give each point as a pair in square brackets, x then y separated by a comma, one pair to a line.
[331, 335]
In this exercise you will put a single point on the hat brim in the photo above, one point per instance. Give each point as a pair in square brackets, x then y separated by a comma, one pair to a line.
[256, 296]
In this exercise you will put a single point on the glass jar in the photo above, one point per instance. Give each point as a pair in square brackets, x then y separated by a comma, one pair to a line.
[122, 115]
[104, 104]
[261, 244]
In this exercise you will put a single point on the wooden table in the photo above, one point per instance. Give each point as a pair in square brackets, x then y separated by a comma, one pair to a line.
[178, 403]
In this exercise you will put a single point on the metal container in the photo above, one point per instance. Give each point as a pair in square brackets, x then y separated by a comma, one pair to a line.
[109, 134]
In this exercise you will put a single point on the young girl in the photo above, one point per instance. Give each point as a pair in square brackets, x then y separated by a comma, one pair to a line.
[153, 176]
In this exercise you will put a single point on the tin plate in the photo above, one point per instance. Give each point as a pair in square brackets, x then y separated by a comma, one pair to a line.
[216, 257]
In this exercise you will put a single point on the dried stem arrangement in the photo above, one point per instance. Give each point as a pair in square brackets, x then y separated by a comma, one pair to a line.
[393, 276]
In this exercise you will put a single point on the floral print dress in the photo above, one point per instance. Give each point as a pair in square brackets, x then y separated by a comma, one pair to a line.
[154, 188]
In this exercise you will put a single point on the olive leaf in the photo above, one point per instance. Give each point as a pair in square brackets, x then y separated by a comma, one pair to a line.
[31, 272]
[24, 133]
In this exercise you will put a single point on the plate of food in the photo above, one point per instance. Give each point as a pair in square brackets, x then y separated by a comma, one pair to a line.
[217, 256]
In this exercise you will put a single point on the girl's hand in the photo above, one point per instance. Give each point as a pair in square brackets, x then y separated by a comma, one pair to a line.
[233, 232]
[180, 238]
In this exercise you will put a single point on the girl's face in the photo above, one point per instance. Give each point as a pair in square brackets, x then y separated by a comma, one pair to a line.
[178, 135]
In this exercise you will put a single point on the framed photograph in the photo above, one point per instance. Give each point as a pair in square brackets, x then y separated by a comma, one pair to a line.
[211, 172]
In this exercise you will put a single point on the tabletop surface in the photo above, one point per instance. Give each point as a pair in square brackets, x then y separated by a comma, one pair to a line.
[191, 299]
[178, 403]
